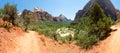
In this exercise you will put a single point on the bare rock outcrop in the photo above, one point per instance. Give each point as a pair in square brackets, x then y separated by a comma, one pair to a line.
[106, 5]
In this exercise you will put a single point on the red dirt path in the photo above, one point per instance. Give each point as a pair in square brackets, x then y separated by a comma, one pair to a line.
[18, 41]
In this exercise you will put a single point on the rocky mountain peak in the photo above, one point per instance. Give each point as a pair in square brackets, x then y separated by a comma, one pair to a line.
[61, 18]
[106, 5]
[39, 14]
[37, 9]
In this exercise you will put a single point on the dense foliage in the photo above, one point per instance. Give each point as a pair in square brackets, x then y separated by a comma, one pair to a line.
[88, 30]
[44, 27]
[7, 16]
[93, 28]
[10, 13]
[1, 12]
[27, 20]
[100, 25]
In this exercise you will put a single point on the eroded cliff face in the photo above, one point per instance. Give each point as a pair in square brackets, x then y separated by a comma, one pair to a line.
[38, 14]
[106, 5]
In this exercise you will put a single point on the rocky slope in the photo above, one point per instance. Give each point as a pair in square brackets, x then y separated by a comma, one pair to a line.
[61, 18]
[39, 14]
[106, 5]
[118, 13]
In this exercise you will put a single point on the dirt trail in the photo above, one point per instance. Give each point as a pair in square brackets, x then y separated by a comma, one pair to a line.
[109, 45]
[28, 43]
[18, 41]
[114, 44]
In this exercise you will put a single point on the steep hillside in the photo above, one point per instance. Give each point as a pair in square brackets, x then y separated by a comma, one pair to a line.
[38, 14]
[106, 5]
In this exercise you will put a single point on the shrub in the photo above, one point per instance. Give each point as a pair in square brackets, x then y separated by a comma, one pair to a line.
[5, 24]
[47, 28]
[87, 34]
[8, 25]
[1, 13]
[10, 13]
[1, 23]
[85, 40]
[27, 21]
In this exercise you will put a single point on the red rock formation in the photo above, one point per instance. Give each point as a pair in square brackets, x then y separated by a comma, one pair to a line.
[37, 14]
[106, 5]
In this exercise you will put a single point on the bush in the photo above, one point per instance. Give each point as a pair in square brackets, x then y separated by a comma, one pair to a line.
[87, 34]
[27, 20]
[5, 24]
[86, 40]
[47, 28]
[8, 25]
[10, 13]
[1, 13]
[1, 23]
[82, 36]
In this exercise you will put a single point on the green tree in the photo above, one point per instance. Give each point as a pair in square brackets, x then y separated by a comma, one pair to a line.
[1, 12]
[100, 25]
[27, 21]
[96, 13]
[10, 13]
[82, 36]
[93, 28]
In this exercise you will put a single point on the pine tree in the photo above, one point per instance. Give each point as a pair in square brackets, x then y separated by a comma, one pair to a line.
[96, 12]
[100, 25]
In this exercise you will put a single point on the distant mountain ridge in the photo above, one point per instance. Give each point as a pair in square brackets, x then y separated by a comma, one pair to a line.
[61, 18]
[106, 5]
[39, 14]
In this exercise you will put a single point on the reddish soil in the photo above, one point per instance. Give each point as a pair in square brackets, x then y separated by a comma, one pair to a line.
[18, 41]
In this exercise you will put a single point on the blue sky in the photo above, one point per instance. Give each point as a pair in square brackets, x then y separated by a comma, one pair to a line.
[54, 7]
